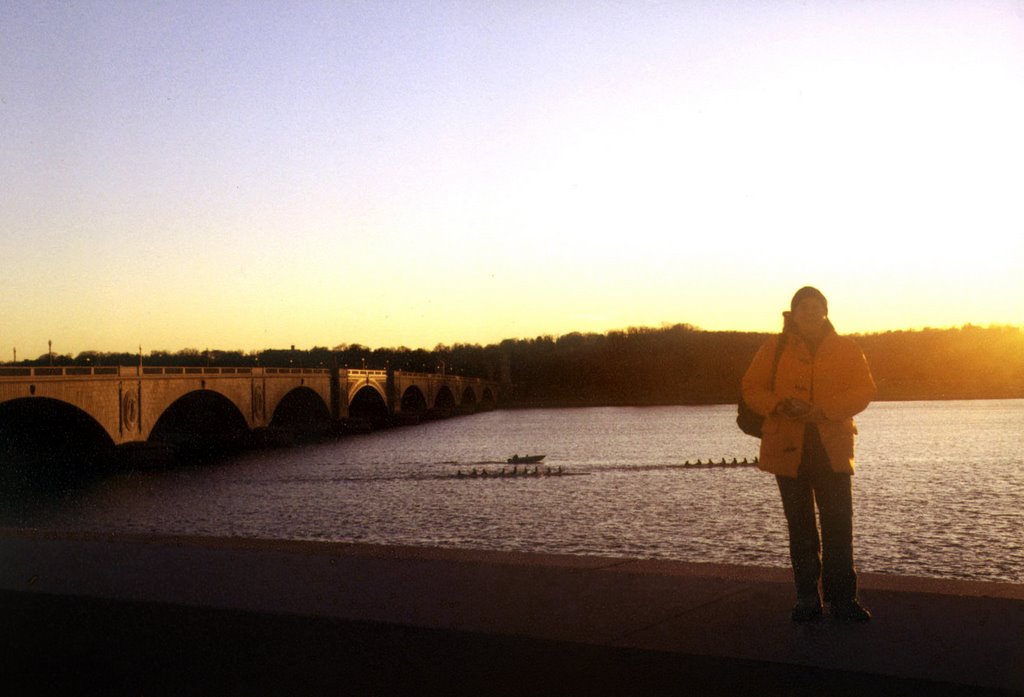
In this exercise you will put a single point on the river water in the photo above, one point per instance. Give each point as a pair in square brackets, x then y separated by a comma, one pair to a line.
[938, 491]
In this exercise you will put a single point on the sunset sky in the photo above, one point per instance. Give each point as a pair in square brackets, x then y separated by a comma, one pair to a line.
[247, 175]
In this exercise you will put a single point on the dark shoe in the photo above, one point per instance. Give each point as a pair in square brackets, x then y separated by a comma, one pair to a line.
[806, 609]
[850, 611]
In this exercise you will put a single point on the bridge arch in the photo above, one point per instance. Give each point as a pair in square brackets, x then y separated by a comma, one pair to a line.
[201, 420]
[444, 400]
[361, 385]
[413, 401]
[369, 404]
[487, 399]
[302, 409]
[468, 402]
[27, 434]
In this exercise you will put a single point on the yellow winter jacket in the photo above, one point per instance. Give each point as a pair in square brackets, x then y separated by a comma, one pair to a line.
[837, 380]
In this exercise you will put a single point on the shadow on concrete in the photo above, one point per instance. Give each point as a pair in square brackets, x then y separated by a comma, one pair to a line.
[85, 646]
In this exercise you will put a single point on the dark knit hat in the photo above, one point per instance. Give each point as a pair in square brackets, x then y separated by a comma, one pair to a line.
[808, 292]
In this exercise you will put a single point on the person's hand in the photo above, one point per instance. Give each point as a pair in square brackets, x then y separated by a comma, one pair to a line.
[800, 410]
[794, 408]
[813, 415]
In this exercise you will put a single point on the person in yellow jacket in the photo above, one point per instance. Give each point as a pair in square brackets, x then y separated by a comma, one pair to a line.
[821, 381]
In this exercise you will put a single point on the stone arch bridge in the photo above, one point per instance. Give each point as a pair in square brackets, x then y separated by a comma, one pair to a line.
[135, 404]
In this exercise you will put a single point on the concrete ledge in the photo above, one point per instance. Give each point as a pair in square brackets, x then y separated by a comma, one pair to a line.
[178, 615]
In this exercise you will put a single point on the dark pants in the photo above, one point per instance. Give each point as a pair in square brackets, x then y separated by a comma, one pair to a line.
[829, 557]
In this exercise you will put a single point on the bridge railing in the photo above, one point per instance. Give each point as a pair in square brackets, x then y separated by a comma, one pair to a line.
[435, 376]
[193, 370]
[62, 371]
[360, 373]
[133, 371]
[296, 371]
[79, 371]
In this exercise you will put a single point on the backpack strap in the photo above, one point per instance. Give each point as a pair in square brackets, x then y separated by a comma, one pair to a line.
[779, 347]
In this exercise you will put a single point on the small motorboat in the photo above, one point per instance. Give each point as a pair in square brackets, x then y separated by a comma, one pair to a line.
[525, 460]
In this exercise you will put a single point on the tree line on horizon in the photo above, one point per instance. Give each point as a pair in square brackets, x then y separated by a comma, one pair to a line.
[643, 366]
[684, 365]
